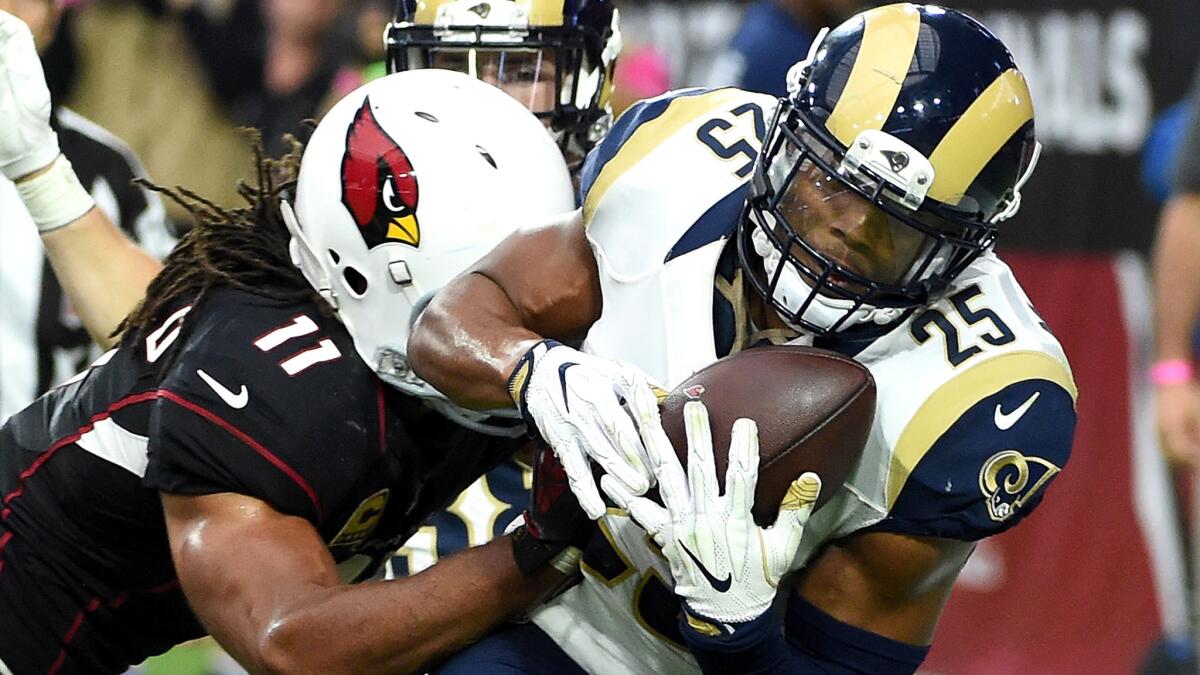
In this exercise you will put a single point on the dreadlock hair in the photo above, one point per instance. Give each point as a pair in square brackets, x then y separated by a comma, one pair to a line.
[244, 248]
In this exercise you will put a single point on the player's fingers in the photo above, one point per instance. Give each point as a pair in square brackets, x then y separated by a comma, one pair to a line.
[650, 516]
[579, 477]
[673, 486]
[601, 441]
[643, 406]
[800, 500]
[1178, 447]
[702, 470]
[741, 476]
[630, 389]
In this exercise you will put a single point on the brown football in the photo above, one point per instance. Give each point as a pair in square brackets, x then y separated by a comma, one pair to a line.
[813, 408]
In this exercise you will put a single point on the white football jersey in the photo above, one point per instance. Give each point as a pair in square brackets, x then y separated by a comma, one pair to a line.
[975, 399]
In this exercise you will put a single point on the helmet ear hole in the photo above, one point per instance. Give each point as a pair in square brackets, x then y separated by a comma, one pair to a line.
[355, 281]
[333, 256]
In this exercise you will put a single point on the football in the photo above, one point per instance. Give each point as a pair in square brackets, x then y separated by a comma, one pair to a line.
[814, 410]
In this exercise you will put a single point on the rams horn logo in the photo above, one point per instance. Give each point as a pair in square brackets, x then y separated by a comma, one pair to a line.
[897, 160]
[379, 186]
[1009, 479]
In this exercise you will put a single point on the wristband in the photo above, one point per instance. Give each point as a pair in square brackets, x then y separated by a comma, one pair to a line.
[532, 553]
[1174, 371]
[55, 197]
[518, 380]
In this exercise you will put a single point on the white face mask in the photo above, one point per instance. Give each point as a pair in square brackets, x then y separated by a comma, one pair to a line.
[793, 291]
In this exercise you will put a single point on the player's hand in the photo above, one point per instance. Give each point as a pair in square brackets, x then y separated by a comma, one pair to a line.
[555, 529]
[726, 567]
[27, 143]
[584, 407]
[1177, 412]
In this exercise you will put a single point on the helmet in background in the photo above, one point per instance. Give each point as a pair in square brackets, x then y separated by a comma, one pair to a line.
[568, 46]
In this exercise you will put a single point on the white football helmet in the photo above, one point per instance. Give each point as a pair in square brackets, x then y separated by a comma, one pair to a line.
[405, 182]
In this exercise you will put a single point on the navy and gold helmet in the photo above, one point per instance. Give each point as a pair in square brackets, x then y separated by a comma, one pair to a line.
[555, 56]
[905, 138]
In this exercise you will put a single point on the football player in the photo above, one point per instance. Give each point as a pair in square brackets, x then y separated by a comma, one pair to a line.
[556, 57]
[238, 455]
[857, 214]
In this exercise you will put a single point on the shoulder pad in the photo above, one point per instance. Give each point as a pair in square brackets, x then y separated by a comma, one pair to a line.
[977, 456]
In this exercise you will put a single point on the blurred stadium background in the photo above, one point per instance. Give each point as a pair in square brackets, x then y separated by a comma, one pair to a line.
[1097, 581]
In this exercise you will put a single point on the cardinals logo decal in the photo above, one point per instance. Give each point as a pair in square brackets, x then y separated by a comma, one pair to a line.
[379, 186]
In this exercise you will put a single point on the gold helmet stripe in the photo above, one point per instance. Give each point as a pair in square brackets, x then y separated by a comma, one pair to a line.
[992, 119]
[541, 12]
[427, 10]
[889, 40]
[949, 402]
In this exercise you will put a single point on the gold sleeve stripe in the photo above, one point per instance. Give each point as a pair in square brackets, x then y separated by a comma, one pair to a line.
[943, 408]
[650, 135]
[889, 41]
[541, 12]
[978, 135]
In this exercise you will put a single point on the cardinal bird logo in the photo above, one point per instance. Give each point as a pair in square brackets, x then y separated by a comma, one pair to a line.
[379, 186]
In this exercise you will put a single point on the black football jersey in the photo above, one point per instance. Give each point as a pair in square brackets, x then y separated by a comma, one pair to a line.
[264, 398]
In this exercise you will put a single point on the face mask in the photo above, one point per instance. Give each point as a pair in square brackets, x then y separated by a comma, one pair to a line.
[793, 290]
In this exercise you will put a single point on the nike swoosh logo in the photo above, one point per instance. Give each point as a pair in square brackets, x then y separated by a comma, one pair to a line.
[238, 400]
[719, 585]
[562, 379]
[1005, 421]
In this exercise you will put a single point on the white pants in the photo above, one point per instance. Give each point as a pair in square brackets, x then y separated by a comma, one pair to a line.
[4, 669]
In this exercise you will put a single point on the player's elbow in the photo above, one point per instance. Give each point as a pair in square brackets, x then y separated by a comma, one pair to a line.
[276, 653]
[285, 648]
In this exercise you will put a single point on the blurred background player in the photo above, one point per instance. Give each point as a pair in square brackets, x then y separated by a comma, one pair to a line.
[43, 340]
[1177, 300]
[556, 57]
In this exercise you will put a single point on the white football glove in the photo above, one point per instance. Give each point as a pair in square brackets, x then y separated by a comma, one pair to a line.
[27, 143]
[54, 198]
[585, 407]
[726, 567]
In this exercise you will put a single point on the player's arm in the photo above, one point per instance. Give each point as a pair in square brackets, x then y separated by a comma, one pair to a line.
[266, 588]
[1176, 305]
[539, 282]
[102, 272]
[482, 342]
